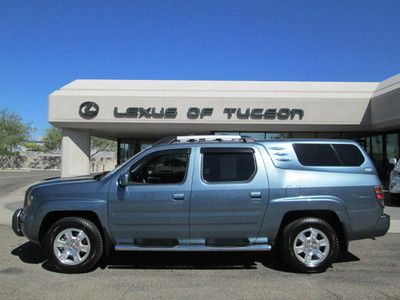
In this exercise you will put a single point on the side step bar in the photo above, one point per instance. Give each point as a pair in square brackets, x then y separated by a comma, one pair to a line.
[128, 247]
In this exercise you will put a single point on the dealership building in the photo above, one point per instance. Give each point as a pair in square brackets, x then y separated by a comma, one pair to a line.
[136, 113]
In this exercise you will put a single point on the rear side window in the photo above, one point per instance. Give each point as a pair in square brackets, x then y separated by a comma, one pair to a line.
[328, 155]
[316, 155]
[228, 164]
[350, 155]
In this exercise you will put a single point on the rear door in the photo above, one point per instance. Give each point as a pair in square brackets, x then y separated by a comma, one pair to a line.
[229, 195]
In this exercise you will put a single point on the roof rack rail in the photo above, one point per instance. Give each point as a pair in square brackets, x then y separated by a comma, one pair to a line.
[203, 138]
[207, 138]
[166, 140]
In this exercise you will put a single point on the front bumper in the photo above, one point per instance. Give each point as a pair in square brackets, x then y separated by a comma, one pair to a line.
[17, 222]
[382, 226]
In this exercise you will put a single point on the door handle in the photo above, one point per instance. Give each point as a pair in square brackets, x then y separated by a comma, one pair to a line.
[255, 195]
[178, 197]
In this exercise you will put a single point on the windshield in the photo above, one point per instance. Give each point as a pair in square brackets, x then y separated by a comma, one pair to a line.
[125, 163]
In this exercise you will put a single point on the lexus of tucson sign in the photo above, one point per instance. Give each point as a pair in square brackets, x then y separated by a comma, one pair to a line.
[194, 113]
[89, 110]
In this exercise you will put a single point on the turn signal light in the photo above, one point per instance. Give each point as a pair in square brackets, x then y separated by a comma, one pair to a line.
[379, 195]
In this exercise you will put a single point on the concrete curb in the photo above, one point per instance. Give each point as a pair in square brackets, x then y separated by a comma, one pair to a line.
[15, 170]
[394, 226]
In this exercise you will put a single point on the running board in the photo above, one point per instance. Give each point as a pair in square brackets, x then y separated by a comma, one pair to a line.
[127, 247]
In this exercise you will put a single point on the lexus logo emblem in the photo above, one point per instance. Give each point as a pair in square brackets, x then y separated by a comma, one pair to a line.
[88, 110]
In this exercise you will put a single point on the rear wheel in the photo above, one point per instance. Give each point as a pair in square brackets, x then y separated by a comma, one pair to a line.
[73, 245]
[309, 245]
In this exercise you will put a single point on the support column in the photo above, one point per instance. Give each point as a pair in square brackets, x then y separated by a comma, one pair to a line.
[75, 152]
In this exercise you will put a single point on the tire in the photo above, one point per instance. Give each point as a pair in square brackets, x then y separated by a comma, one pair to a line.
[308, 235]
[73, 245]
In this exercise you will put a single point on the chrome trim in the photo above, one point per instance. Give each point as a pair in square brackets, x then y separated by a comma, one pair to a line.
[261, 240]
[122, 247]
[71, 246]
[16, 222]
[311, 247]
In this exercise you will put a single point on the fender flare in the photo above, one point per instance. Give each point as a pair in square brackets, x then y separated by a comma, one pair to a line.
[278, 208]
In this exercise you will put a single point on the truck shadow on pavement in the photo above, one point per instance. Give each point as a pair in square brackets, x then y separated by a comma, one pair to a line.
[31, 253]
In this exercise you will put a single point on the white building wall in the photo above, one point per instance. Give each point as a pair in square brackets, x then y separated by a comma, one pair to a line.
[75, 152]
[327, 106]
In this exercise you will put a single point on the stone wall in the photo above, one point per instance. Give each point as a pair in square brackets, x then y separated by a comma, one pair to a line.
[104, 161]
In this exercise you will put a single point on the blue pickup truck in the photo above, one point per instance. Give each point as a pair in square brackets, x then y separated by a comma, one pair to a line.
[307, 198]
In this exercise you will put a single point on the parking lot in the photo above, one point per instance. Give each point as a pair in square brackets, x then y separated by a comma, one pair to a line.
[370, 270]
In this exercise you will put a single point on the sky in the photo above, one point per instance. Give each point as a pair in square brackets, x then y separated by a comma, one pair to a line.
[47, 44]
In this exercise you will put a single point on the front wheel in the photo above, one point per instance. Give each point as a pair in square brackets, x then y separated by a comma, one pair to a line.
[309, 245]
[73, 245]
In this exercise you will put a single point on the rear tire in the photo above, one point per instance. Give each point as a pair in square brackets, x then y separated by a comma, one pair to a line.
[309, 245]
[73, 245]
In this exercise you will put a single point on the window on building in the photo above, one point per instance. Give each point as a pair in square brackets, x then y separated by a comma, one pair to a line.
[392, 145]
[226, 133]
[126, 150]
[377, 152]
[368, 144]
[302, 135]
[164, 167]
[228, 164]
[276, 135]
[328, 155]
[328, 135]
[254, 135]
[258, 135]
[392, 150]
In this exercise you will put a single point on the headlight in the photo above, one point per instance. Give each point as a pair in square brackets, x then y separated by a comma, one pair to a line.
[28, 198]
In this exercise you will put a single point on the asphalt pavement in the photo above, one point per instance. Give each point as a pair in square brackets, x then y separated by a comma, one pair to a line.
[370, 270]
[13, 180]
[13, 185]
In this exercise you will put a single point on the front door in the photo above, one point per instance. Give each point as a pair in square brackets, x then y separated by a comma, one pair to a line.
[229, 196]
[153, 209]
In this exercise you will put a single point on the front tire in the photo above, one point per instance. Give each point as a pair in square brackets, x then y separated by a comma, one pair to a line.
[73, 245]
[309, 245]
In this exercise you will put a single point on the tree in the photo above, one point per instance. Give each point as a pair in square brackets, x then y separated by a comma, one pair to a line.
[13, 134]
[32, 146]
[53, 137]
[98, 145]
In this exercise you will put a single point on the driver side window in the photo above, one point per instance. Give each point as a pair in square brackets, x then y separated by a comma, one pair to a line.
[163, 167]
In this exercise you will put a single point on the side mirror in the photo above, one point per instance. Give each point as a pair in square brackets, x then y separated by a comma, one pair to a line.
[393, 161]
[123, 180]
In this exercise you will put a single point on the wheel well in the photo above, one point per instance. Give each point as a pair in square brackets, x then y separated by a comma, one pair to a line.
[326, 215]
[53, 217]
